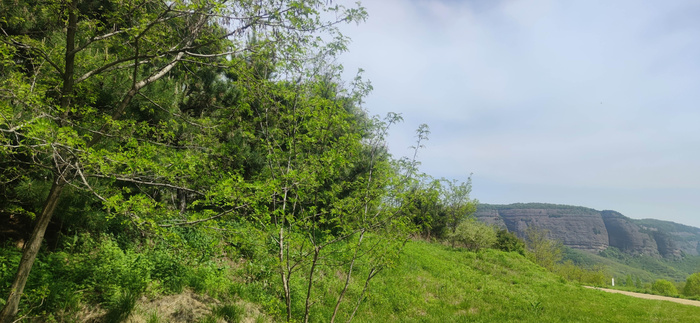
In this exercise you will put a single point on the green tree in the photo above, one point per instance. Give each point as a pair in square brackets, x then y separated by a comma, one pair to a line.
[508, 241]
[628, 281]
[458, 204]
[542, 250]
[473, 235]
[427, 208]
[664, 287]
[328, 189]
[93, 99]
[692, 285]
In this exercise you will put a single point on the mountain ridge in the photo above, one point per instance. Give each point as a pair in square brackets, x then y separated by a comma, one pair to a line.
[591, 230]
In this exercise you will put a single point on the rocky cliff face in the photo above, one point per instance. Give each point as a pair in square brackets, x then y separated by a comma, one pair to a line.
[591, 230]
[626, 236]
[578, 228]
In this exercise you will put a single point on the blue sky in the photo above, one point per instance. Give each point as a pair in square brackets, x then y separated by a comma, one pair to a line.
[590, 103]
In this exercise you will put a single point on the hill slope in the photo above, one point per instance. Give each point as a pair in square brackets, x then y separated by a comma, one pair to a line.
[433, 283]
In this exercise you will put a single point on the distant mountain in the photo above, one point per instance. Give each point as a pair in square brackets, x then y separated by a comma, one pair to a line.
[591, 230]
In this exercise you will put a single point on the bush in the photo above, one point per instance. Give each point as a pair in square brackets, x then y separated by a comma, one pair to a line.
[169, 270]
[664, 287]
[508, 241]
[542, 250]
[692, 285]
[118, 272]
[120, 306]
[229, 312]
[569, 271]
[474, 235]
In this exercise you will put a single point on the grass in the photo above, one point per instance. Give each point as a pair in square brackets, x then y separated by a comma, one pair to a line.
[434, 283]
[229, 312]
[430, 283]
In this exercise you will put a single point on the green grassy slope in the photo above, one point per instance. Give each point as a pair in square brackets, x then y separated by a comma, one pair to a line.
[433, 283]
[430, 283]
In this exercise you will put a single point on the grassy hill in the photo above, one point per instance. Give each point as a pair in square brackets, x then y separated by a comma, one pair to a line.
[434, 283]
[430, 282]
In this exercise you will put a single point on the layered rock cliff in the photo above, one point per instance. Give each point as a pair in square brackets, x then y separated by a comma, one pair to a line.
[592, 230]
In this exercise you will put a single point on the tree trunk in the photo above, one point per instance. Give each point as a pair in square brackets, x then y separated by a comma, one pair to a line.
[284, 272]
[317, 250]
[347, 278]
[372, 273]
[31, 249]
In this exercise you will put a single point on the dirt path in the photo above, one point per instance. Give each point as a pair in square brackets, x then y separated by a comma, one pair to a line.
[647, 296]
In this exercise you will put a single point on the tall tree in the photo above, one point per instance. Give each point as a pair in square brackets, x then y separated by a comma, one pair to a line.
[541, 249]
[458, 204]
[326, 183]
[89, 100]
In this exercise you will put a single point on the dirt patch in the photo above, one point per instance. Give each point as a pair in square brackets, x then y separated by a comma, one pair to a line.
[184, 307]
[181, 308]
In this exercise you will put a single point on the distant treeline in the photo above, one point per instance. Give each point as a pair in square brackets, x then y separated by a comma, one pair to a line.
[543, 206]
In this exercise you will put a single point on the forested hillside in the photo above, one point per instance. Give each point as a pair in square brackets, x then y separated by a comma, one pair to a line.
[145, 144]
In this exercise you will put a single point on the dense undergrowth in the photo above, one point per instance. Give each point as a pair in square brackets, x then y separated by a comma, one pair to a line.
[430, 282]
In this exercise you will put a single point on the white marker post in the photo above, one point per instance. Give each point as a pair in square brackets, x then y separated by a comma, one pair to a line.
[613, 281]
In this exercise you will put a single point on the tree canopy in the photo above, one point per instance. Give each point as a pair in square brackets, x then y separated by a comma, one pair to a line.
[145, 118]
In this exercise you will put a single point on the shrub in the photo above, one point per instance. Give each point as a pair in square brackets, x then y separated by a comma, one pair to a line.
[117, 272]
[569, 271]
[474, 235]
[120, 306]
[229, 312]
[664, 287]
[168, 269]
[508, 241]
[542, 250]
[692, 285]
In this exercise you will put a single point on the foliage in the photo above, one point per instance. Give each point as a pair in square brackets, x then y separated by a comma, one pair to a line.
[229, 312]
[474, 235]
[428, 208]
[545, 206]
[458, 204]
[88, 271]
[692, 285]
[542, 250]
[508, 241]
[428, 282]
[569, 271]
[613, 267]
[137, 105]
[664, 287]
[119, 308]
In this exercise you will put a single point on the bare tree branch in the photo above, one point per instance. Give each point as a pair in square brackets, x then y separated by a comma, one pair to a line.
[202, 220]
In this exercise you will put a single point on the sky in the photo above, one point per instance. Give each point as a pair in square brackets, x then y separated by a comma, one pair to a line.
[589, 103]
